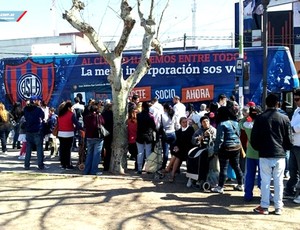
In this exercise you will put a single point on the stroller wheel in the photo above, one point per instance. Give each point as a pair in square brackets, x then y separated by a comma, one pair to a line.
[81, 166]
[206, 187]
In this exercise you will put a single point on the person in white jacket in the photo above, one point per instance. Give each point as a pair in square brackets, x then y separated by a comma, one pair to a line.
[179, 111]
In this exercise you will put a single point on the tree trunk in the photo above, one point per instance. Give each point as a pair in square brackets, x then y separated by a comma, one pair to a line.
[118, 163]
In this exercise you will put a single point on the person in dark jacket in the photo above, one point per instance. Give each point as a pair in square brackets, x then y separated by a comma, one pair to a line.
[145, 129]
[93, 142]
[271, 136]
[52, 122]
[17, 113]
[34, 117]
[107, 115]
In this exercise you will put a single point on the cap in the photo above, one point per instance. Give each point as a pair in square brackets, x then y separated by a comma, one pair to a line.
[251, 104]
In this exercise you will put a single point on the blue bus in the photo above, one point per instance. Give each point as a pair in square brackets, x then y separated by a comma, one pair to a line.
[197, 76]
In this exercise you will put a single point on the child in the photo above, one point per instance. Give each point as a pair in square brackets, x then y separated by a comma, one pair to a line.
[22, 138]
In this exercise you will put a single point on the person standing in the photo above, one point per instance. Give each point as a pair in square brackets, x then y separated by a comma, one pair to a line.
[145, 128]
[67, 124]
[271, 136]
[17, 113]
[132, 133]
[252, 160]
[52, 121]
[228, 146]
[169, 137]
[108, 117]
[34, 116]
[179, 111]
[156, 110]
[45, 109]
[294, 161]
[5, 126]
[22, 138]
[93, 142]
[78, 109]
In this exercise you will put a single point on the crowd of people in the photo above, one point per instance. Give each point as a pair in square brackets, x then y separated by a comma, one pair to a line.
[249, 143]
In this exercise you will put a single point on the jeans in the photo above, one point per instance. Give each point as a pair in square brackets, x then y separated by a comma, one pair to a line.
[140, 157]
[251, 168]
[16, 135]
[231, 157]
[93, 158]
[166, 144]
[287, 159]
[271, 167]
[294, 169]
[3, 136]
[34, 139]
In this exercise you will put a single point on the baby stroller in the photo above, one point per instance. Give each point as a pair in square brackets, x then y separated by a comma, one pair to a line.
[81, 154]
[202, 168]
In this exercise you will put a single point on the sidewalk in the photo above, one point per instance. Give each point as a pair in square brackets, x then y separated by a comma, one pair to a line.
[10, 163]
[60, 199]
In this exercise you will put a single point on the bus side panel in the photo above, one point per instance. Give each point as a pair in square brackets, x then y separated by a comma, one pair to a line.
[195, 76]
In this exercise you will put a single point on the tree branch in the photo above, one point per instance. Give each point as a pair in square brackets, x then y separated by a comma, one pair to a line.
[161, 17]
[74, 18]
[144, 64]
[129, 23]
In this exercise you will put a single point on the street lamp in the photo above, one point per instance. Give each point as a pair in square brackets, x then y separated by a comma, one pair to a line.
[265, 4]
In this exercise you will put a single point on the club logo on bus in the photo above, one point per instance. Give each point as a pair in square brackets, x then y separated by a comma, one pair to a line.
[28, 85]
[29, 78]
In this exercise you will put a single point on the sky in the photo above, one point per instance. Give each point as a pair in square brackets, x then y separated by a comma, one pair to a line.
[212, 18]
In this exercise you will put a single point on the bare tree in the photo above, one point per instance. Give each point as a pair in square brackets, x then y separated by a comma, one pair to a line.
[120, 87]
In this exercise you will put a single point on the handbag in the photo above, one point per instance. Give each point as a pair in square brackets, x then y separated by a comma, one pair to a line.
[102, 131]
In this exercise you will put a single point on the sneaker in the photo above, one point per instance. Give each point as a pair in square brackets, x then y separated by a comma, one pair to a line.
[218, 189]
[261, 210]
[4, 152]
[99, 173]
[238, 188]
[44, 167]
[26, 168]
[22, 157]
[278, 211]
[189, 183]
[297, 200]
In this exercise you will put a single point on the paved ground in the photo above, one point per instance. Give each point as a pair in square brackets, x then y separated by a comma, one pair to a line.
[59, 199]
